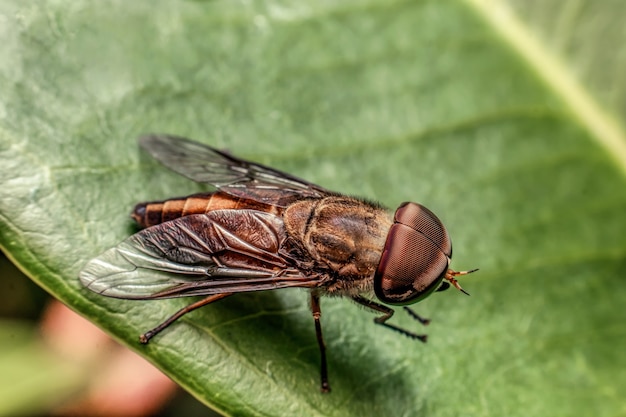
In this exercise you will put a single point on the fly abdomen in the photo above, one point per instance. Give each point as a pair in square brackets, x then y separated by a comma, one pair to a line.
[147, 214]
[156, 212]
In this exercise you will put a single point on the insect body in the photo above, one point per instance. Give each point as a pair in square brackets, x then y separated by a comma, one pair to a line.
[264, 229]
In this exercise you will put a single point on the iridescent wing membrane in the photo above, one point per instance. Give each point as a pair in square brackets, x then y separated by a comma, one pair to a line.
[222, 251]
[235, 176]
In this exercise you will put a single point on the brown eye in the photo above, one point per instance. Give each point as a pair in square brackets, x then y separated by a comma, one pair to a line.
[419, 218]
[411, 267]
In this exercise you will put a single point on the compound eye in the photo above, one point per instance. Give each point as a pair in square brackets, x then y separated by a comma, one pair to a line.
[411, 267]
[419, 218]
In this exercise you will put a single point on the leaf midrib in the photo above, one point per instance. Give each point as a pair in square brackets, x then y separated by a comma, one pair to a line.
[602, 126]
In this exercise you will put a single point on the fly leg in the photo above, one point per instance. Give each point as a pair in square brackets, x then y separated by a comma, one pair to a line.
[145, 338]
[317, 313]
[417, 317]
[388, 313]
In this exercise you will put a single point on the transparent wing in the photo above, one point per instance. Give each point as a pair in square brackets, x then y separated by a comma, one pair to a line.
[218, 252]
[232, 175]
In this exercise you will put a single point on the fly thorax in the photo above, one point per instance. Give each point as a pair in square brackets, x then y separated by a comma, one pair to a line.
[343, 234]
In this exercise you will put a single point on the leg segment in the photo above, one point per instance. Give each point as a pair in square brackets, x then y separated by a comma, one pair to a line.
[317, 313]
[145, 338]
[387, 314]
[417, 317]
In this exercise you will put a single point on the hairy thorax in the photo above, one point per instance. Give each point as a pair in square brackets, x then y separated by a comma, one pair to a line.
[344, 237]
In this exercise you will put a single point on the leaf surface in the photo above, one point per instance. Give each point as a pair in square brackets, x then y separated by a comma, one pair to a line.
[426, 101]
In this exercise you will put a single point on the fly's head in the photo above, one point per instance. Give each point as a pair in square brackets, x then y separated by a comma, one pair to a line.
[416, 258]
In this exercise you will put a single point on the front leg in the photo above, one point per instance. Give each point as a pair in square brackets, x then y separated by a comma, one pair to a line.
[388, 313]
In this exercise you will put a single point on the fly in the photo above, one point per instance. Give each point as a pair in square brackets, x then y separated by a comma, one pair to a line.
[263, 229]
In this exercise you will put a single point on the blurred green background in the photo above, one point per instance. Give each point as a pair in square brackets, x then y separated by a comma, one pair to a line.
[503, 117]
[38, 378]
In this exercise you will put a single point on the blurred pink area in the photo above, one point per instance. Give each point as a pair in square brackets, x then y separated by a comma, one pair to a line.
[121, 383]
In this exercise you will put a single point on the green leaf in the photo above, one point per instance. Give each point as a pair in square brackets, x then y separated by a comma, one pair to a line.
[28, 367]
[461, 106]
